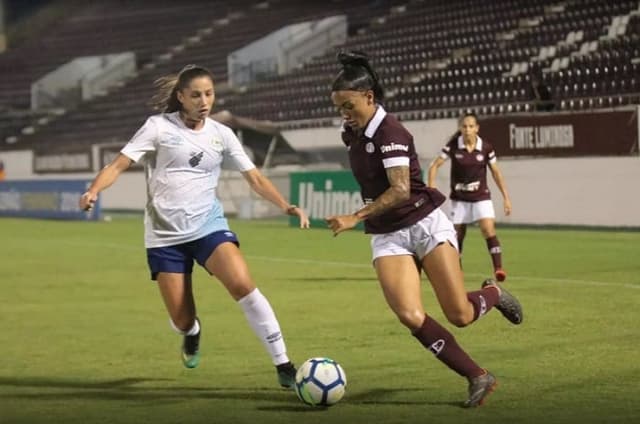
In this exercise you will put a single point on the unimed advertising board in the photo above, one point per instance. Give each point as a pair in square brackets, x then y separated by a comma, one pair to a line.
[322, 194]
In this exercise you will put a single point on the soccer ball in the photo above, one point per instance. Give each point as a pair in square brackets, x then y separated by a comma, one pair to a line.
[320, 382]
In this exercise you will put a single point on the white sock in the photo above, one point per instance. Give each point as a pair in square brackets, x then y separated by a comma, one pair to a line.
[263, 321]
[192, 332]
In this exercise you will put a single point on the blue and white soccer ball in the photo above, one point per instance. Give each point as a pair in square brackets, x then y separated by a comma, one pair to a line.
[320, 382]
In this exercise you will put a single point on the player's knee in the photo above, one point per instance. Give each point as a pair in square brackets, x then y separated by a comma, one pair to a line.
[240, 288]
[459, 318]
[411, 318]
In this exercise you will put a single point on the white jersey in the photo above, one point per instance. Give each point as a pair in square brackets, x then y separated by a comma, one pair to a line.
[182, 168]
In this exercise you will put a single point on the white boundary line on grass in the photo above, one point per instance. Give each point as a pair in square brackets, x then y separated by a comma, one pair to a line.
[474, 274]
[366, 265]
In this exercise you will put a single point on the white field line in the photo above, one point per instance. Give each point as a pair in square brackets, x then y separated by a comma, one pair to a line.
[367, 265]
[472, 274]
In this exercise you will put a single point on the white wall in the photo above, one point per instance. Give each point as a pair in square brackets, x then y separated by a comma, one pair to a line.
[578, 191]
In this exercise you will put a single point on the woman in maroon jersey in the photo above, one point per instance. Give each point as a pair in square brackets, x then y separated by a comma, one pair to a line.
[407, 226]
[470, 197]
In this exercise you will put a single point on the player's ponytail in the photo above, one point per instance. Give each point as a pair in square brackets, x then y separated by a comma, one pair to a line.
[358, 75]
[167, 87]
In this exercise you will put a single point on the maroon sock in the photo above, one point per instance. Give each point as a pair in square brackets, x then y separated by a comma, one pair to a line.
[483, 300]
[441, 343]
[493, 245]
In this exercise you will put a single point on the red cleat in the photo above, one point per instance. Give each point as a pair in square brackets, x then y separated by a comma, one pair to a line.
[500, 275]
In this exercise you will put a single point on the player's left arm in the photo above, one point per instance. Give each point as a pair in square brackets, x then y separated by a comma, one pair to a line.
[499, 179]
[263, 186]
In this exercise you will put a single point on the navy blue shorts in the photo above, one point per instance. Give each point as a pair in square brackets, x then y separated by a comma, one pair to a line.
[179, 258]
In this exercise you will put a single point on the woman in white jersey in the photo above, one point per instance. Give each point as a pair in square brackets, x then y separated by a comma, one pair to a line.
[182, 150]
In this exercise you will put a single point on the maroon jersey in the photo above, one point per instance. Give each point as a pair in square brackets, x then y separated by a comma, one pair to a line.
[383, 144]
[469, 169]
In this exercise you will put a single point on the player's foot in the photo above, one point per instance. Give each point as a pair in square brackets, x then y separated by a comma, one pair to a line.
[500, 274]
[286, 375]
[508, 305]
[191, 350]
[479, 388]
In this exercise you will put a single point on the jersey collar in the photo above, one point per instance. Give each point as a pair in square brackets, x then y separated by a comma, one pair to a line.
[375, 122]
[478, 143]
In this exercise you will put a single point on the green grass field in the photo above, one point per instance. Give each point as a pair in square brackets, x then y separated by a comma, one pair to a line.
[85, 338]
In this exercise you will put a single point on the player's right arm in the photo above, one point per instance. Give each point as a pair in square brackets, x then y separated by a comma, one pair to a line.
[433, 171]
[107, 176]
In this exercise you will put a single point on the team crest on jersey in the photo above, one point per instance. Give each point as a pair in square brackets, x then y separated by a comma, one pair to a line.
[216, 143]
[479, 157]
[369, 147]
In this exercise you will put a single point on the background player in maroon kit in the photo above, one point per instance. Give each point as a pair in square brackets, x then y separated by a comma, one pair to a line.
[407, 226]
[470, 197]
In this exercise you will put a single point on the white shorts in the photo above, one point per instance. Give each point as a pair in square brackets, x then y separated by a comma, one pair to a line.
[416, 240]
[469, 212]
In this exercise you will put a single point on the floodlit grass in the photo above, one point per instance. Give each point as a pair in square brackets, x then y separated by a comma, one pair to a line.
[85, 338]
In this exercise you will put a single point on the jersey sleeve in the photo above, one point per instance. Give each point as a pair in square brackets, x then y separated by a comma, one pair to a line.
[235, 154]
[142, 142]
[395, 147]
[445, 153]
[491, 154]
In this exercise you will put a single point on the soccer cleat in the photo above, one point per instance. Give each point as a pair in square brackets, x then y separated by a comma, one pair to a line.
[191, 350]
[508, 305]
[500, 274]
[286, 375]
[479, 388]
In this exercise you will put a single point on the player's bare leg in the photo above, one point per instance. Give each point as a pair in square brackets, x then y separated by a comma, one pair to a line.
[400, 282]
[177, 294]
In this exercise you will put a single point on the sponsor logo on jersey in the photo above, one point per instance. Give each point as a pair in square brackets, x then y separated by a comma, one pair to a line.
[195, 159]
[386, 148]
[171, 140]
[469, 187]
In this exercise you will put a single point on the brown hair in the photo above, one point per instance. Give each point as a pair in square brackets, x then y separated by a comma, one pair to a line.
[166, 97]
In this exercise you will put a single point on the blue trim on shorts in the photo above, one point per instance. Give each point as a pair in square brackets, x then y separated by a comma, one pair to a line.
[179, 258]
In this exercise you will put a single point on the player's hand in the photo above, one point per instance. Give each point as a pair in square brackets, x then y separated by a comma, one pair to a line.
[296, 211]
[507, 207]
[87, 200]
[340, 223]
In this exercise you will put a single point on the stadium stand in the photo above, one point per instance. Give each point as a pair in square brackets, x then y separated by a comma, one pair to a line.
[436, 58]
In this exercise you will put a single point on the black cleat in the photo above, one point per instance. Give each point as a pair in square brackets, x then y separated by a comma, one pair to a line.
[508, 305]
[191, 349]
[286, 375]
[479, 388]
